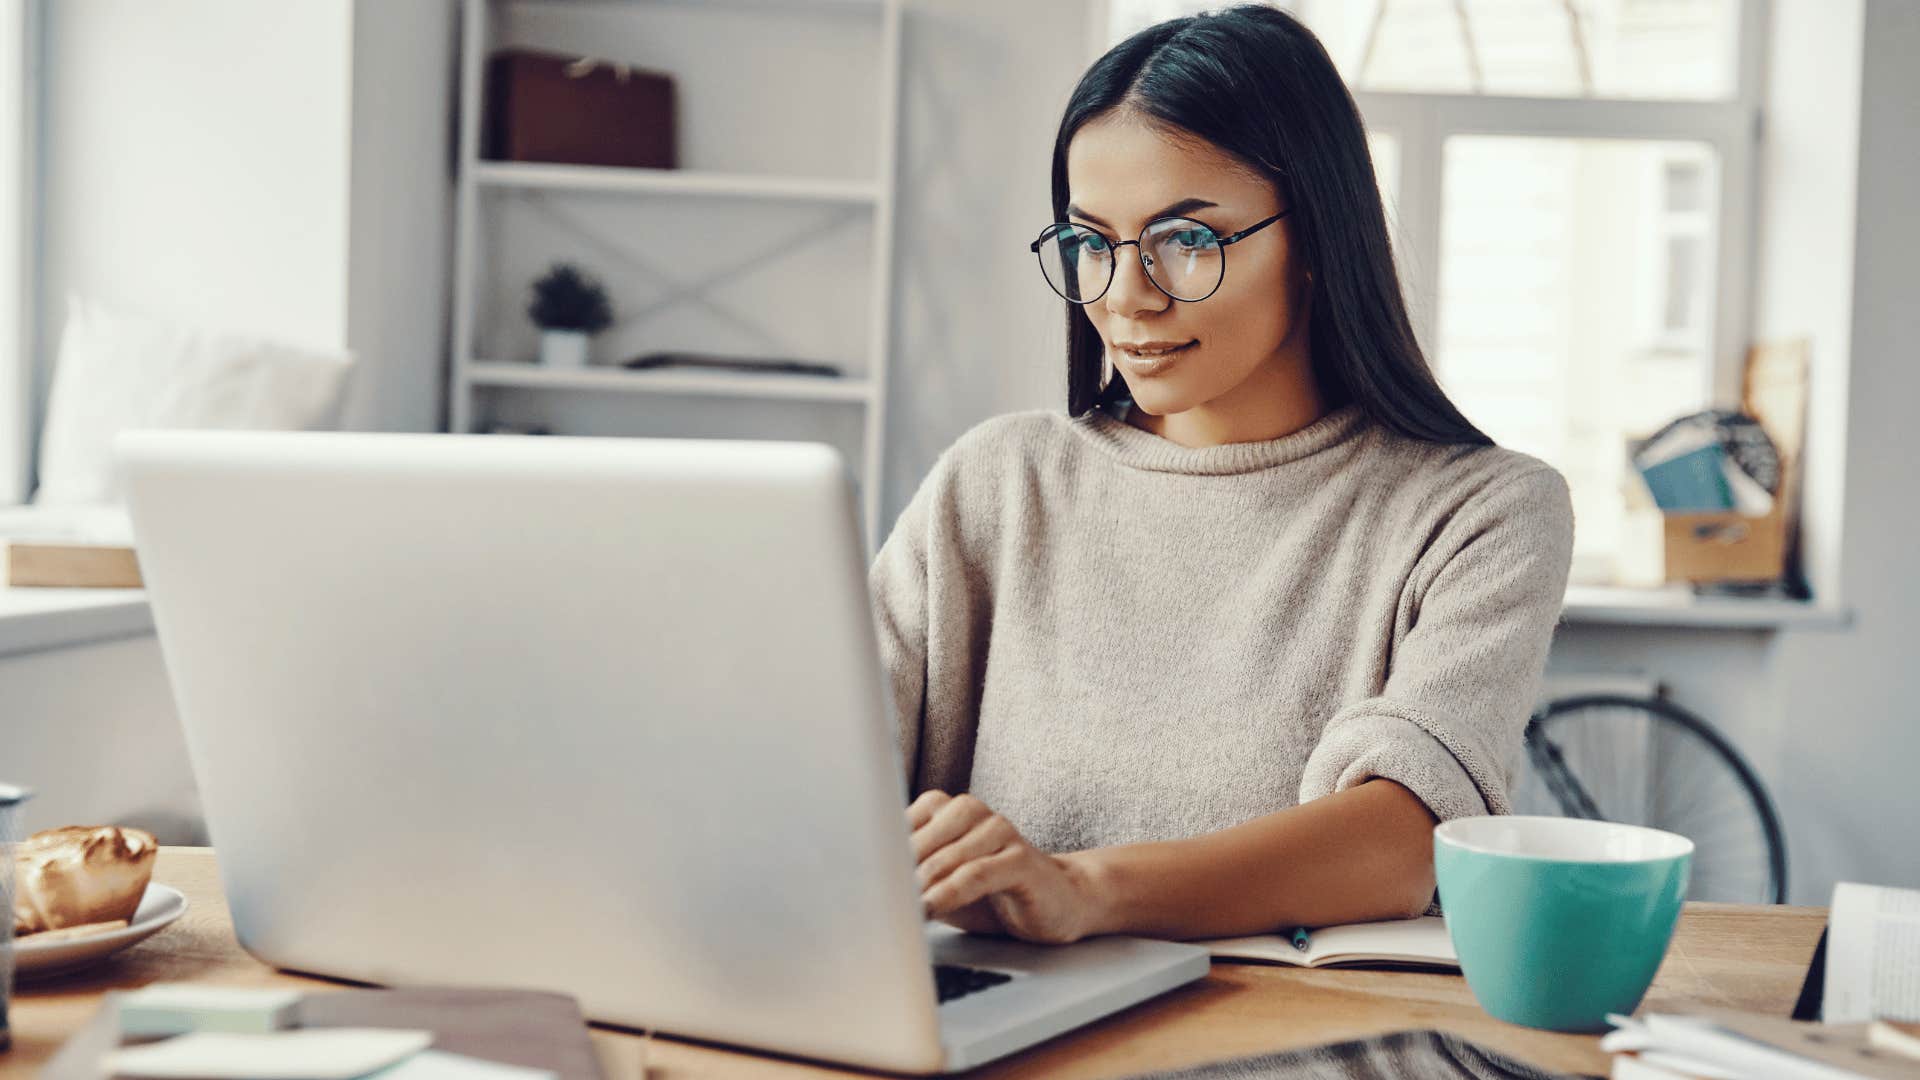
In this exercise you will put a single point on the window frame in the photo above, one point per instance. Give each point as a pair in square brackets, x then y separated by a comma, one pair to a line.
[1668, 226]
[1420, 123]
[20, 22]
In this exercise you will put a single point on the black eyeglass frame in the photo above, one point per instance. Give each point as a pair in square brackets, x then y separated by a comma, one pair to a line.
[1114, 267]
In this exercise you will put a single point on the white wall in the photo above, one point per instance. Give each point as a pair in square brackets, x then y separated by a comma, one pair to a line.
[976, 332]
[91, 730]
[280, 169]
[400, 234]
[195, 161]
[1849, 704]
[1810, 169]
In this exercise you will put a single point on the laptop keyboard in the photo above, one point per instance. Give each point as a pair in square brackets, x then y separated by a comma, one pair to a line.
[953, 981]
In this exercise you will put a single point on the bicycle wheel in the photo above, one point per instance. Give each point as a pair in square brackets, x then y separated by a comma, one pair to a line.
[1646, 761]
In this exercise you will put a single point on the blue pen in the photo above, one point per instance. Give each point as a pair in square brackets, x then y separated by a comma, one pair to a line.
[1300, 938]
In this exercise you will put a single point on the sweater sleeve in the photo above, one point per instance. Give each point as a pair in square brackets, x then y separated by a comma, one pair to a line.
[898, 583]
[933, 614]
[1462, 679]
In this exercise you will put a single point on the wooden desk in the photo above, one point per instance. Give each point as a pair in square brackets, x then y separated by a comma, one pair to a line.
[1723, 954]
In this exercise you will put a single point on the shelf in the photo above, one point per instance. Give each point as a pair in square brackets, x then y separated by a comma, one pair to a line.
[744, 384]
[1676, 605]
[35, 620]
[524, 176]
[851, 7]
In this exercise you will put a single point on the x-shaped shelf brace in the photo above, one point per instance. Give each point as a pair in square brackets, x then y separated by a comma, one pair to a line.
[676, 291]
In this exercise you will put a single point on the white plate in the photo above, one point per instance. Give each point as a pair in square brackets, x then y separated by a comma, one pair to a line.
[159, 906]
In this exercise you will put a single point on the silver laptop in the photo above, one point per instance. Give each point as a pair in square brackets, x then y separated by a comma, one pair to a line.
[601, 716]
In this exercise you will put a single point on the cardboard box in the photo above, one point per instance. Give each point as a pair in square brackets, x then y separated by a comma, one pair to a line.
[1725, 546]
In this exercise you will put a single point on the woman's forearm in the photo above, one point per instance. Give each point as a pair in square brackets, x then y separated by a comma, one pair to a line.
[1356, 856]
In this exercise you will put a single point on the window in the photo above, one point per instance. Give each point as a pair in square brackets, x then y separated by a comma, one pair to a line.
[1568, 183]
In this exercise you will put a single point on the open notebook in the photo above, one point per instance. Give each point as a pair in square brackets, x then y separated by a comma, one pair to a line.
[1421, 942]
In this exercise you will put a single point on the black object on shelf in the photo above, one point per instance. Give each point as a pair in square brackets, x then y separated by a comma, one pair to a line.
[654, 360]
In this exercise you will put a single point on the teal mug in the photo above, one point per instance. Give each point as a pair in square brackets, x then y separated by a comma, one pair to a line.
[1559, 921]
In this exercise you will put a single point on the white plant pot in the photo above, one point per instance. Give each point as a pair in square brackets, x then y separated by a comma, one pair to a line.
[563, 348]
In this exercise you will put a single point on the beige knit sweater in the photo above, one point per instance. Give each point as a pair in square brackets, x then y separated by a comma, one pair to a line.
[1109, 637]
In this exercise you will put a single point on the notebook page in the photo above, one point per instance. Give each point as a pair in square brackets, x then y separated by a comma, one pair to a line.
[1873, 955]
[1422, 940]
[1419, 941]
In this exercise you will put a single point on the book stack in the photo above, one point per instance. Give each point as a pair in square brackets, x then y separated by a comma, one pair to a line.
[1710, 462]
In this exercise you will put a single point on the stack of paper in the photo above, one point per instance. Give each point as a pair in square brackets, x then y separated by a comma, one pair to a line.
[1736, 1046]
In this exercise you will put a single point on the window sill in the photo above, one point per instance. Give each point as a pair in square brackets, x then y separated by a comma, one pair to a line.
[1677, 606]
[35, 620]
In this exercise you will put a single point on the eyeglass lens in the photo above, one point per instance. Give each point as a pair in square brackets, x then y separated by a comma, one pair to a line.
[1182, 256]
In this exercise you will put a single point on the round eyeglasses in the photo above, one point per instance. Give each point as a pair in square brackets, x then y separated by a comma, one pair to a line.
[1183, 258]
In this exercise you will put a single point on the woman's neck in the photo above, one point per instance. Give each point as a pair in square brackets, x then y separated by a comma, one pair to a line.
[1270, 404]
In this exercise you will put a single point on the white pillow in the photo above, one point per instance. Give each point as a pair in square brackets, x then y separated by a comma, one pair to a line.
[119, 371]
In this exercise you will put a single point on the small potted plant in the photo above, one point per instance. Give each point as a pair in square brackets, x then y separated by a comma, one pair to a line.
[569, 307]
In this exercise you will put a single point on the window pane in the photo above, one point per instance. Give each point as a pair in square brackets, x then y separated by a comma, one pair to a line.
[1681, 308]
[1555, 335]
[1686, 186]
[1666, 49]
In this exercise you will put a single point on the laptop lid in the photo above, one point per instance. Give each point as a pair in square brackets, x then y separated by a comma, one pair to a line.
[603, 716]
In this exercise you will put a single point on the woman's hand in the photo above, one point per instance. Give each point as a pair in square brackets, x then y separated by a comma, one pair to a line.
[978, 873]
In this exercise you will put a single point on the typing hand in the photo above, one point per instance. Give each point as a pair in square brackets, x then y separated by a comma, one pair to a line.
[978, 873]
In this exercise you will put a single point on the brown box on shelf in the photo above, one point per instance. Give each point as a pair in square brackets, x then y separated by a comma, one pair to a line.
[1725, 546]
[66, 565]
[568, 110]
[1732, 547]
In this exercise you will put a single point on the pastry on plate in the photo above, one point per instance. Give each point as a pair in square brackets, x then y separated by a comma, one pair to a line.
[79, 876]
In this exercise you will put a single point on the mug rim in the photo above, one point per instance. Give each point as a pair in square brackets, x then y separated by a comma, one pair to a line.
[1449, 833]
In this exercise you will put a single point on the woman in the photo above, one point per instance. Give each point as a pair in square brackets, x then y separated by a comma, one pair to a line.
[1211, 653]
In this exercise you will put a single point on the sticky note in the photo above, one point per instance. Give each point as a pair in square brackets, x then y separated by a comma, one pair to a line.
[179, 1008]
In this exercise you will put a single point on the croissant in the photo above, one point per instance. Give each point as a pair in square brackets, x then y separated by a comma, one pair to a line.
[79, 875]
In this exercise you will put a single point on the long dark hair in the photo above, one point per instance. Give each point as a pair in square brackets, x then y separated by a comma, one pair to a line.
[1256, 83]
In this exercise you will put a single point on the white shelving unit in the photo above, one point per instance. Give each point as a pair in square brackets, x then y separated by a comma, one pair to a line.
[739, 185]
[529, 177]
[716, 383]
